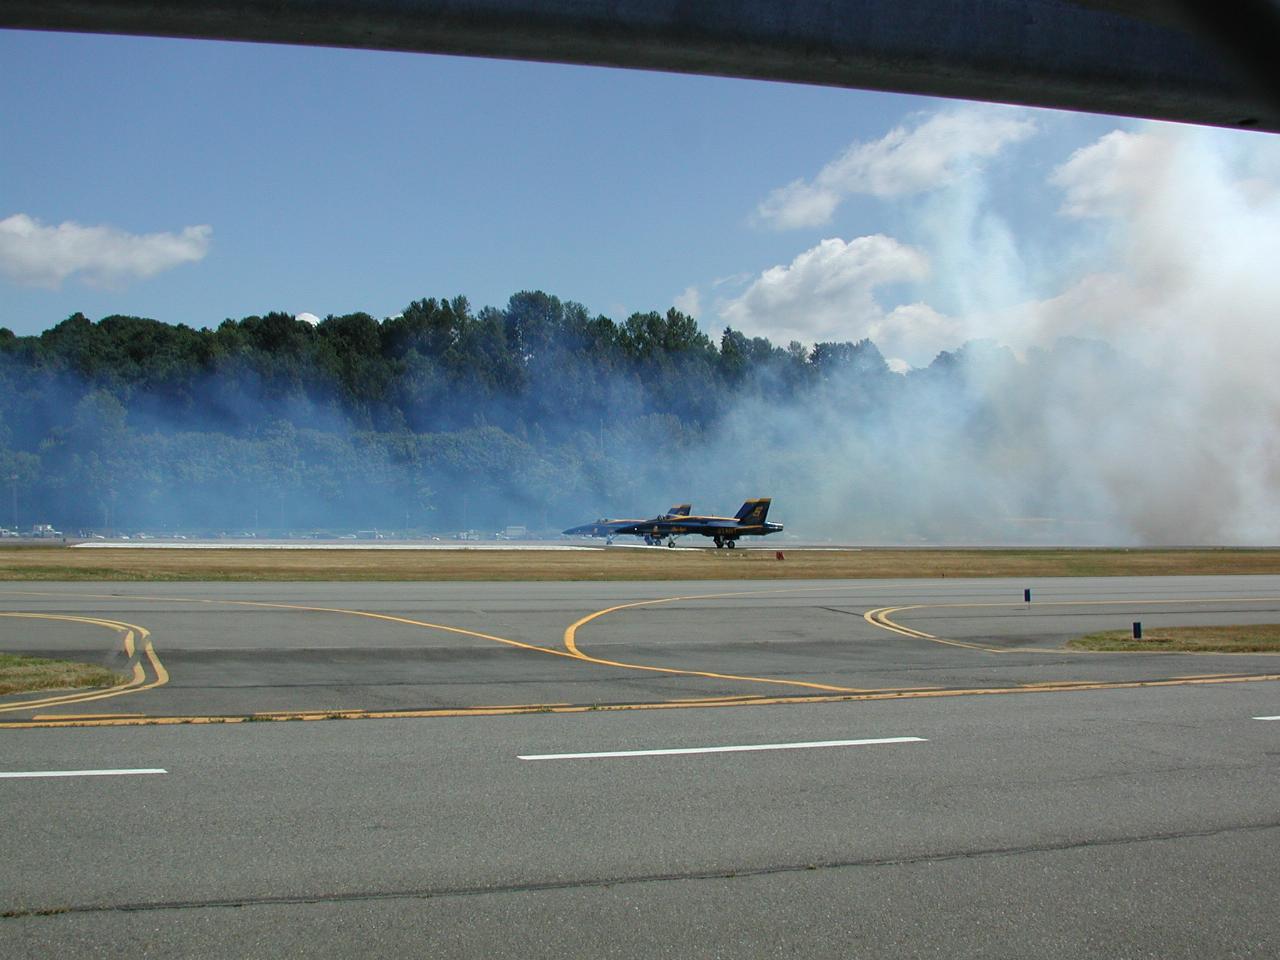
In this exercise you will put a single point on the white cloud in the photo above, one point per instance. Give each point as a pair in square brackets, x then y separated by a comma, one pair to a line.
[1102, 179]
[689, 301]
[733, 280]
[310, 318]
[797, 205]
[825, 293]
[939, 150]
[37, 255]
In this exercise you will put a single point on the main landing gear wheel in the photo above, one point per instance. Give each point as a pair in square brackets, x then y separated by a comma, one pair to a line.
[731, 544]
[719, 542]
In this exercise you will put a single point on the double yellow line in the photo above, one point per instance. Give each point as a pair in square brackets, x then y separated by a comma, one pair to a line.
[133, 635]
[880, 617]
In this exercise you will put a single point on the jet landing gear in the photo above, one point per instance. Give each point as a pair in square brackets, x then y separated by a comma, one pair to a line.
[671, 541]
[725, 542]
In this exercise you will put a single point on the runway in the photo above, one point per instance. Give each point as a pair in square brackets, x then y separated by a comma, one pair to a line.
[983, 792]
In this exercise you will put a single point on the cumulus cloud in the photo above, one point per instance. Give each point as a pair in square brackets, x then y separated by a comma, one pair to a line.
[940, 149]
[689, 301]
[797, 205]
[1106, 177]
[827, 292]
[34, 254]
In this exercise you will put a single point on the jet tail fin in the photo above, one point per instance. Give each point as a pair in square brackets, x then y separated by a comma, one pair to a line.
[680, 510]
[754, 511]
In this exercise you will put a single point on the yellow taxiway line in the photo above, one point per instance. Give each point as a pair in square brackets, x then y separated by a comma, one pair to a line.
[880, 617]
[523, 709]
[136, 684]
[570, 651]
[828, 693]
[571, 644]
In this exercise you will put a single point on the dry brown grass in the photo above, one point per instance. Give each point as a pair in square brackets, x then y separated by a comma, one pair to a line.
[60, 563]
[1252, 638]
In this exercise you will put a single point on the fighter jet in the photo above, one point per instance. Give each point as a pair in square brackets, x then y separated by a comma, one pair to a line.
[750, 521]
[609, 529]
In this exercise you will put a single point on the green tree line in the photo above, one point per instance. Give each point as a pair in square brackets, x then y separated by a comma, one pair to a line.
[439, 417]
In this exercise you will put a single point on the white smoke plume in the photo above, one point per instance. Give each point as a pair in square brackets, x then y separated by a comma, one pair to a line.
[1137, 403]
[1190, 286]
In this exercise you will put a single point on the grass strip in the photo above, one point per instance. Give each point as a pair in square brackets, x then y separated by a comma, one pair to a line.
[66, 563]
[1252, 638]
[20, 674]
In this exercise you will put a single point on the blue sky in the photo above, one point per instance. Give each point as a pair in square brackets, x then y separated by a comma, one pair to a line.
[194, 181]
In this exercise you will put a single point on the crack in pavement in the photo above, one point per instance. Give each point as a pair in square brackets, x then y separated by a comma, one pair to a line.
[428, 893]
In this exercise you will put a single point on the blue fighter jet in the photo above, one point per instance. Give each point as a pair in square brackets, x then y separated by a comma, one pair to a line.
[750, 521]
[609, 529]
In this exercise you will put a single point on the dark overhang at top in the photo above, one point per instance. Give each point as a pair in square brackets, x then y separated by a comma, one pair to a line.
[1177, 60]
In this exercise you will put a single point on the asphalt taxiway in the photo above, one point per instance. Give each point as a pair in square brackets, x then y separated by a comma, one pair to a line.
[943, 779]
[209, 650]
